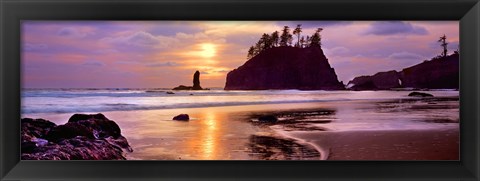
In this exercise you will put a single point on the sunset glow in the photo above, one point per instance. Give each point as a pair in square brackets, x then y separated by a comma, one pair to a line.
[154, 54]
[208, 50]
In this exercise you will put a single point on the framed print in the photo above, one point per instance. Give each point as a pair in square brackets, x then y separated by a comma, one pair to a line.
[284, 90]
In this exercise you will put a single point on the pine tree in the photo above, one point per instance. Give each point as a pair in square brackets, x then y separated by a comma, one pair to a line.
[275, 38]
[290, 40]
[316, 39]
[308, 41]
[302, 42]
[297, 32]
[444, 43]
[251, 52]
[266, 41]
[258, 47]
[285, 37]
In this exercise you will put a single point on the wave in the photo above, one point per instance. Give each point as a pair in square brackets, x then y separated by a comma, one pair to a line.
[73, 101]
[74, 93]
[136, 107]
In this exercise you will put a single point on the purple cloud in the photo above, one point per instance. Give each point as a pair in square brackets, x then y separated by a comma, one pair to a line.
[142, 39]
[314, 24]
[405, 56]
[71, 32]
[163, 64]
[394, 28]
[336, 51]
[34, 47]
[93, 63]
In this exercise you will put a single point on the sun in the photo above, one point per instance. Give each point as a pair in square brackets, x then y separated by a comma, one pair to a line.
[208, 50]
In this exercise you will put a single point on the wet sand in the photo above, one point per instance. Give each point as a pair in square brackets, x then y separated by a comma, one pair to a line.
[417, 129]
[213, 133]
[385, 145]
[427, 129]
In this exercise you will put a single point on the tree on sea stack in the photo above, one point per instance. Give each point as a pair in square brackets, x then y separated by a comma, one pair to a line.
[268, 41]
[302, 42]
[307, 41]
[286, 37]
[443, 43]
[251, 52]
[316, 39]
[275, 38]
[297, 32]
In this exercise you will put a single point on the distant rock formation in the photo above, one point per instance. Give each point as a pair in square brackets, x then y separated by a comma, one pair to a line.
[438, 73]
[419, 94]
[285, 68]
[379, 81]
[83, 137]
[196, 83]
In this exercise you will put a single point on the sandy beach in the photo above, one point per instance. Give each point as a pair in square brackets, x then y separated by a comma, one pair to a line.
[385, 145]
[396, 129]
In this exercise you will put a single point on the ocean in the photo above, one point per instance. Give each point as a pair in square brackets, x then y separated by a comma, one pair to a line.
[101, 100]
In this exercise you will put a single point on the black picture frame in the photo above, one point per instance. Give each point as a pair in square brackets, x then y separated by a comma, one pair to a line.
[12, 12]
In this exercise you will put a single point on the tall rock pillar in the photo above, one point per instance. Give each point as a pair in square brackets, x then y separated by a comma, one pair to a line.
[196, 81]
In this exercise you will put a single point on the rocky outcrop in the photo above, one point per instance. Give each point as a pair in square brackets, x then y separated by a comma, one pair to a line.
[285, 68]
[419, 94]
[196, 83]
[438, 73]
[83, 137]
[379, 81]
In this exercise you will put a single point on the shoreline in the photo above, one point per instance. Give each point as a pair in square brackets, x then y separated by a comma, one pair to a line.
[417, 145]
[427, 143]
[112, 104]
[224, 133]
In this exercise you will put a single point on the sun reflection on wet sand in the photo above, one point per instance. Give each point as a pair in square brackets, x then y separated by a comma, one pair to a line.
[209, 135]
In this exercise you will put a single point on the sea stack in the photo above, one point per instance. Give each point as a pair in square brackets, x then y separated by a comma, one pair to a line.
[285, 68]
[437, 73]
[196, 81]
[379, 81]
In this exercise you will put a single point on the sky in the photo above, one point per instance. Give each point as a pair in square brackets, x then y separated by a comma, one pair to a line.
[165, 54]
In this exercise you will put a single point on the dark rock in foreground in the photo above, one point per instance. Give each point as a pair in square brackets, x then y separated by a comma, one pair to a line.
[420, 94]
[35, 128]
[83, 137]
[181, 117]
[285, 68]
